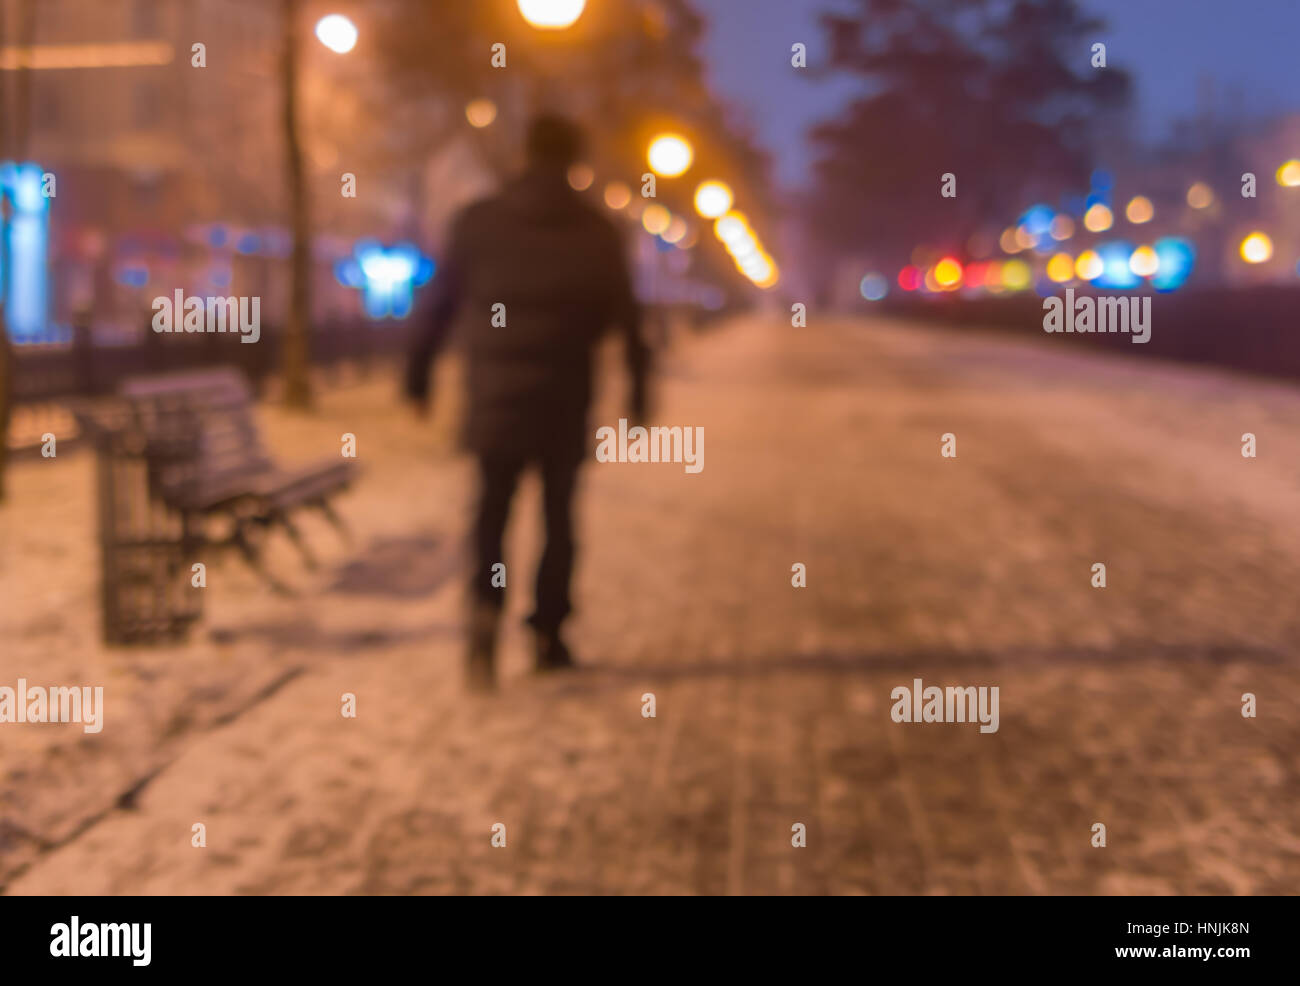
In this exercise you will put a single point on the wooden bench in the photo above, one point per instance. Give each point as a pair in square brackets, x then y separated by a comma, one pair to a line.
[206, 460]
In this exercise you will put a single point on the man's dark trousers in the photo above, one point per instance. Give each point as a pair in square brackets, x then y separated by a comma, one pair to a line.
[498, 477]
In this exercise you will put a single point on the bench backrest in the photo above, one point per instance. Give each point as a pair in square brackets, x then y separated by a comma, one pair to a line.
[199, 426]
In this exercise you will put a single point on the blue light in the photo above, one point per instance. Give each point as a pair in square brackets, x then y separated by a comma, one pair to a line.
[133, 275]
[1115, 271]
[26, 281]
[873, 287]
[217, 236]
[1037, 219]
[1102, 180]
[387, 277]
[1176, 258]
[248, 243]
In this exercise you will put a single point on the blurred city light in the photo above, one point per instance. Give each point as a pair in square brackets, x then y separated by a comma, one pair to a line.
[1256, 248]
[655, 219]
[1025, 237]
[386, 277]
[873, 286]
[1088, 265]
[1144, 262]
[713, 199]
[1176, 258]
[337, 33]
[1139, 210]
[617, 195]
[581, 176]
[1200, 196]
[481, 112]
[1098, 218]
[1008, 241]
[1060, 268]
[947, 272]
[909, 278]
[1015, 275]
[1062, 227]
[1289, 173]
[551, 15]
[676, 230]
[670, 155]
[26, 283]
[1115, 270]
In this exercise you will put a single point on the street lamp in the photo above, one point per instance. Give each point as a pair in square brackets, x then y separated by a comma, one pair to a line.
[337, 33]
[551, 15]
[670, 155]
[713, 199]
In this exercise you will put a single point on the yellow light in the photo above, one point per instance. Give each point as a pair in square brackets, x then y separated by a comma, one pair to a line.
[713, 199]
[1062, 227]
[670, 155]
[1007, 241]
[1143, 262]
[1200, 196]
[948, 273]
[337, 33]
[1060, 268]
[551, 15]
[581, 176]
[1098, 219]
[481, 112]
[675, 231]
[1089, 265]
[733, 229]
[931, 282]
[1289, 173]
[655, 219]
[617, 195]
[1139, 210]
[116, 54]
[1256, 248]
[1015, 275]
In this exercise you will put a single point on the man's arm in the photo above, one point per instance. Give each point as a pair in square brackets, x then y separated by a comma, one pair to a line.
[448, 289]
[625, 312]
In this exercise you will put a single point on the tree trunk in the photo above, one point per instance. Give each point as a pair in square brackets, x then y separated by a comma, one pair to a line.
[296, 358]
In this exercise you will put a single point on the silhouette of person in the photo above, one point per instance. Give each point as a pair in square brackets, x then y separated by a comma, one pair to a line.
[536, 276]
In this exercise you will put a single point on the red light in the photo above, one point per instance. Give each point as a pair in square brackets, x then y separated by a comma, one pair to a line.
[909, 278]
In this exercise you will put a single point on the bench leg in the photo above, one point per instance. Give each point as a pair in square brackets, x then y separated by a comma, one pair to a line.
[336, 521]
[295, 535]
[253, 555]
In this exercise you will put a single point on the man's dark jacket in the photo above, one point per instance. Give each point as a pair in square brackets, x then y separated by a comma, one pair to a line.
[557, 266]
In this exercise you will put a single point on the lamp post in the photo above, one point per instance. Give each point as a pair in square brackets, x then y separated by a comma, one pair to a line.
[338, 34]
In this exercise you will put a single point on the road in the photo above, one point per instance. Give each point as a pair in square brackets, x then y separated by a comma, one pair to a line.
[1118, 705]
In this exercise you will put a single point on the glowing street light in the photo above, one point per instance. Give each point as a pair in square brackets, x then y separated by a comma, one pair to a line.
[1200, 196]
[337, 33]
[551, 15]
[1289, 174]
[481, 112]
[1139, 210]
[713, 199]
[617, 195]
[670, 155]
[1098, 218]
[1256, 248]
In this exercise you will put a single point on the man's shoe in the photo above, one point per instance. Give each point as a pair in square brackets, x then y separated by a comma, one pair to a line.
[480, 671]
[552, 654]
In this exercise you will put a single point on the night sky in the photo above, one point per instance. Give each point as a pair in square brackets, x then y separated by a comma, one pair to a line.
[1171, 47]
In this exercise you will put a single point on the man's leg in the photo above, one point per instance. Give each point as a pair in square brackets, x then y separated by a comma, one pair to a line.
[554, 574]
[497, 480]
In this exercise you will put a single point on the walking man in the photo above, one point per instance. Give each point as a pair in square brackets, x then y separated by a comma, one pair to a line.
[535, 276]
